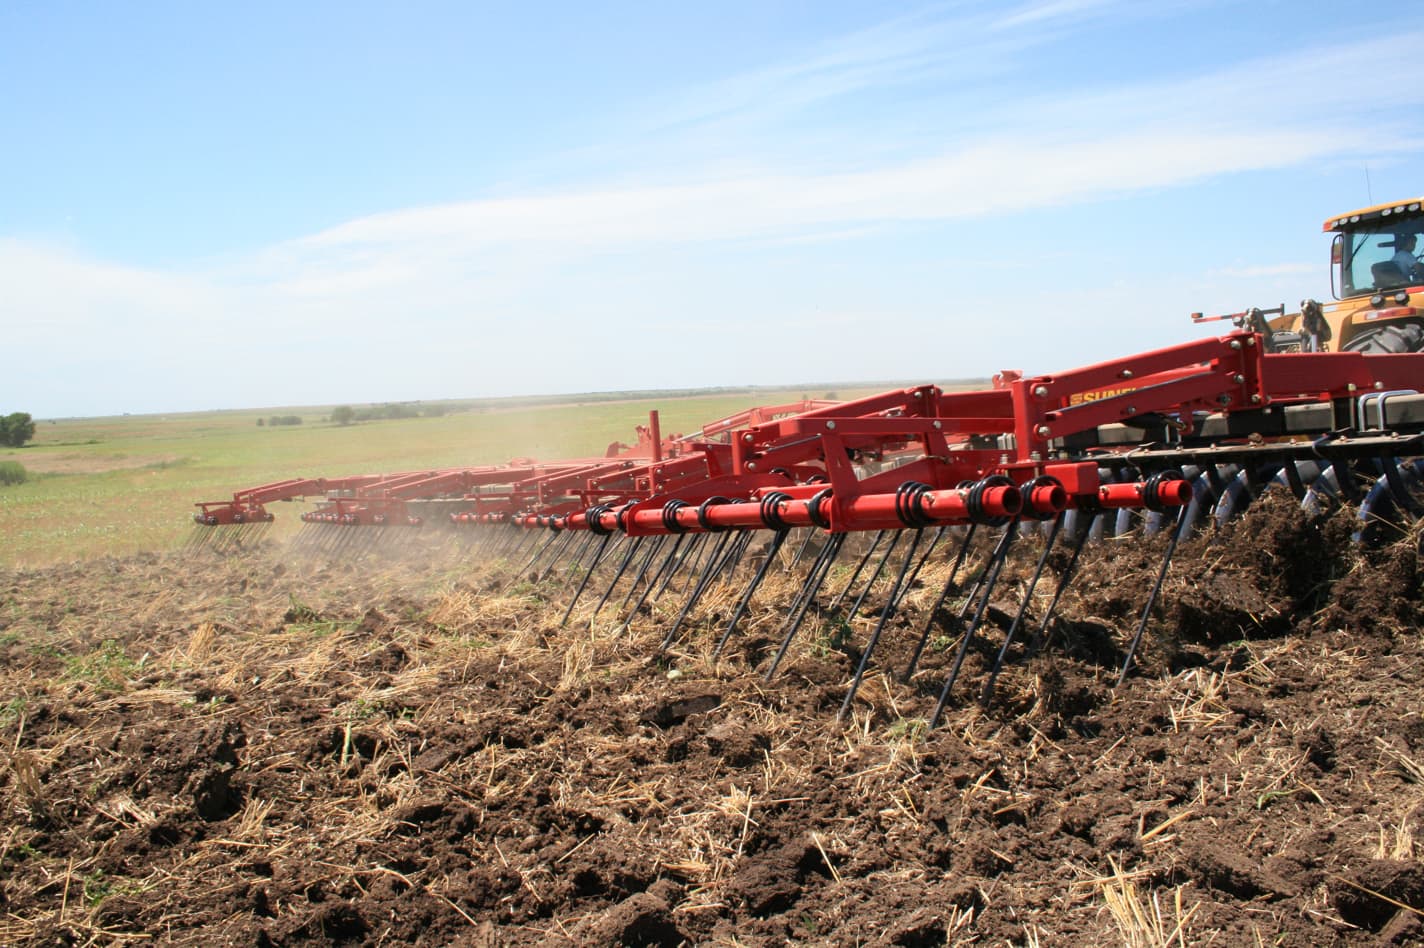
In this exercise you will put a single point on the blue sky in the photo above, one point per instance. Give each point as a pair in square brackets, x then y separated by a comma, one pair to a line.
[207, 206]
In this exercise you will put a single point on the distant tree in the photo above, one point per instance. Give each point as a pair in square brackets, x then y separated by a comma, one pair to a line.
[343, 414]
[261, 422]
[435, 411]
[16, 428]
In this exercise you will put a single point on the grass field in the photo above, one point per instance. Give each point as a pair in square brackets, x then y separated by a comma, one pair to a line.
[122, 484]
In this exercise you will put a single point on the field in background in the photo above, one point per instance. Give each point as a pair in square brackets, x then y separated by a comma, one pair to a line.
[123, 484]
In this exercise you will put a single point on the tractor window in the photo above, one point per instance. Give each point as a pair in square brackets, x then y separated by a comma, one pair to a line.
[1369, 254]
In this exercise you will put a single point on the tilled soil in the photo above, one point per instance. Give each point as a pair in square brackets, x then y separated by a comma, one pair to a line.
[262, 750]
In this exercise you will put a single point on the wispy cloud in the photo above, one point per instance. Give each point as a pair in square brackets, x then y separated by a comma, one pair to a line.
[763, 161]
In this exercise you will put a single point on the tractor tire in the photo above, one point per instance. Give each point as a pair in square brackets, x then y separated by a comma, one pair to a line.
[1391, 338]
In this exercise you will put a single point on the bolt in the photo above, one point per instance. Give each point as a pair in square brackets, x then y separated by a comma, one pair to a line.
[748, 437]
[938, 425]
[1223, 400]
[1250, 340]
[1040, 391]
[1236, 344]
[830, 426]
[751, 465]
[1131, 409]
[1350, 386]
[1255, 399]
[1125, 374]
[1043, 431]
[1238, 378]
[1378, 386]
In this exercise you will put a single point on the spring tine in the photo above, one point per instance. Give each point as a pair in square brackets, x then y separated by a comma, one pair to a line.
[343, 538]
[875, 576]
[735, 554]
[776, 541]
[1084, 533]
[566, 545]
[875, 543]
[652, 554]
[703, 581]
[581, 546]
[520, 537]
[898, 593]
[588, 574]
[801, 550]
[1151, 601]
[934, 610]
[700, 560]
[996, 565]
[668, 562]
[880, 625]
[553, 536]
[632, 545]
[819, 570]
[924, 558]
[675, 563]
[988, 692]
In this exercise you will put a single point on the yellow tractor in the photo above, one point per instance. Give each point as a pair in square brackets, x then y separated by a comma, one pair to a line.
[1376, 279]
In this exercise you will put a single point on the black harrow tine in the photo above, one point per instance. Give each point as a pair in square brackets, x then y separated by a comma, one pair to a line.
[850, 583]
[709, 573]
[588, 574]
[522, 537]
[668, 561]
[633, 544]
[653, 549]
[735, 554]
[676, 562]
[801, 550]
[934, 610]
[553, 537]
[1079, 542]
[940, 532]
[988, 692]
[583, 545]
[569, 544]
[776, 541]
[995, 567]
[885, 614]
[1151, 598]
[344, 537]
[875, 577]
[819, 569]
[898, 593]
[543, 559]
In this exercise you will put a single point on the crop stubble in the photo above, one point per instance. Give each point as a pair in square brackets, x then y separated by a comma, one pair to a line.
[263, 750]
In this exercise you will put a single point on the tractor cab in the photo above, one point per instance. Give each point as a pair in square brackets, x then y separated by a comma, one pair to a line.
[1377, 250]
[1376, 279]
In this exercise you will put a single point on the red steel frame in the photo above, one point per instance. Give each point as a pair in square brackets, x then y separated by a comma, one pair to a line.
[796, 465]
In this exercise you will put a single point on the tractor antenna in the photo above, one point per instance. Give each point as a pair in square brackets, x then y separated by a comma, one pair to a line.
[1369, 192]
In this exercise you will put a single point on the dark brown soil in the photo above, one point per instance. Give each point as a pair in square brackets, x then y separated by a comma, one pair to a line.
[261, 750]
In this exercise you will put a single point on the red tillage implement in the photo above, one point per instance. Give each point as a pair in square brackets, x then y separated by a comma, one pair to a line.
[1161, 441]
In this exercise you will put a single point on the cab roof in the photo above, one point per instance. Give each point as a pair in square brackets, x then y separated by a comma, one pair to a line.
[1409, 206]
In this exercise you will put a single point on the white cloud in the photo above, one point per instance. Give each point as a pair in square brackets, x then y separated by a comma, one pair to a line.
[579, 273]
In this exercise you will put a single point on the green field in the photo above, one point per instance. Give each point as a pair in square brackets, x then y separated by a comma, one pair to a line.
[123, 484]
